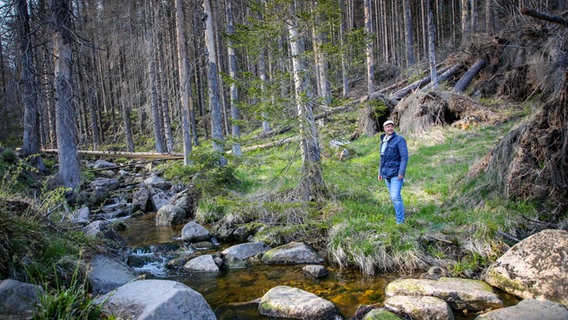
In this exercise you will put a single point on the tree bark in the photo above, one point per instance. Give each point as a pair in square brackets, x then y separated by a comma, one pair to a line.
[69, 169]
[369, 47]
[235, 128]
[432, 47]
[464, 81]
[408, 32]
[213, 84]
[186, 101]
[544, 16]
[311, 185]
[31, 139]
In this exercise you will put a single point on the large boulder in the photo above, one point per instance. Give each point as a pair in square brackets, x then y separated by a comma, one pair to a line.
[420, 307]
[169, 215]
[246, 250]
[292, 253]
[18, 300]
[534, 268]
[528, 309]
[460, 294]
[187, 200]
[106, 274]
[155, 300]
[192, 231]
[294, 303]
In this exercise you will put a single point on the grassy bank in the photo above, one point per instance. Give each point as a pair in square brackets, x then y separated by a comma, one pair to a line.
[446, 226]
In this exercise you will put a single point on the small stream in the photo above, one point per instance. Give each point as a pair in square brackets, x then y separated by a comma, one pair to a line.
[230, 292]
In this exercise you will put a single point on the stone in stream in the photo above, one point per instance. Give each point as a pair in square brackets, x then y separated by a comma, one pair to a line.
[528, 309]
[460, 294]
[106, 273]
[292, 253]
[246, 250]
[294, 303]
[536, 267]
[420, 307]
[155, 300]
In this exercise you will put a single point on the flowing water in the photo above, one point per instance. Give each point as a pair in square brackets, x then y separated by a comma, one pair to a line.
[230, 292]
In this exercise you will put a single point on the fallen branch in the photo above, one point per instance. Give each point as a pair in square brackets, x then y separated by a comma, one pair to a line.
[417, 84]
[122, 154]
[544, 16]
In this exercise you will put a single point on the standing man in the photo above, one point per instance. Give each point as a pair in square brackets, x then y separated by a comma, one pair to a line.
[394, 157]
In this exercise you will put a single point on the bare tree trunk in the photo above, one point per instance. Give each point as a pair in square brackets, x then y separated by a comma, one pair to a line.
[342, 35]
[31, 139]
[213, 85]
[184, 82]
[369, 47]
[432, 47]
[408, 32]
[324, 89]
[69, 169]
[151, 58]
[235, 128]
[311, 186]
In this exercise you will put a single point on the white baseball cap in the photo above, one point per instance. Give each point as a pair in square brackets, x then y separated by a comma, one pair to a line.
[388, 122]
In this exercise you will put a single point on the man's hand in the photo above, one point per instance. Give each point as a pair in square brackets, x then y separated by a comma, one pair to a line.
[380, 177]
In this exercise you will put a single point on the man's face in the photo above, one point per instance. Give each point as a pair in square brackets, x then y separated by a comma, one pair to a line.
[389, 129]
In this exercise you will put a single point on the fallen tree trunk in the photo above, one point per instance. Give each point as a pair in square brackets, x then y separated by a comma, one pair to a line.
[544, 16]
[415, 85]
[121, 154]
[468, 76]
[446, 75]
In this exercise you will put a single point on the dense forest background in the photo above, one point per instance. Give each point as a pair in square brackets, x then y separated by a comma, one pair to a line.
[168, 76]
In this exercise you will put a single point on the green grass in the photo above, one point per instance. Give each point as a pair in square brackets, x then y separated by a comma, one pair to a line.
[358, 220]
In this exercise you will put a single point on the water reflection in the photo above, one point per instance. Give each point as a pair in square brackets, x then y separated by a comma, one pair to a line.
[231, 293]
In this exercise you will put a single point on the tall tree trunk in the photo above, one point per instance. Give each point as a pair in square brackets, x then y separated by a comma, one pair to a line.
[213, 84]
[342, 35]
[432, 47]
[151, 58]
[324, 89]
[235, 128]
[311, 186]
[31, 139]
[69, 169]
[408, 32]
[369, 47]
[184, 82]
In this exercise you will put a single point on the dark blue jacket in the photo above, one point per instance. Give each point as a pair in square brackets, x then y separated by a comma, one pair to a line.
[395, 158]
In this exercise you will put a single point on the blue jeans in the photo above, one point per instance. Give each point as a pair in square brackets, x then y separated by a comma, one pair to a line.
[394, 185]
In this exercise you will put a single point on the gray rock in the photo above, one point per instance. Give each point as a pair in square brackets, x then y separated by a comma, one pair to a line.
[528, 309]
[187, 200]
[315, 270]
[202, 263]
[534, 268]
[192, 231]
[156, 300]
[81, 216]
[106, 274]
[100, 164]
[157, 182]
[292, 253]
[104, 229]
[420, 307]
[460, 294]
[246, 250]
[160, 197]
[169, 215]
[294, 303]
[18, 300]
[141, 200]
